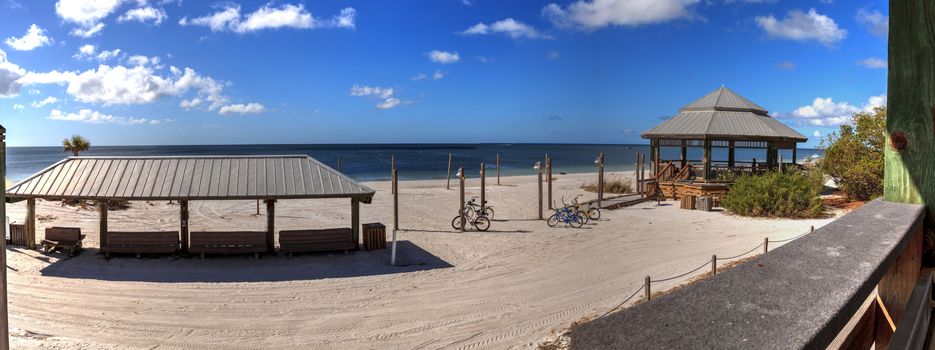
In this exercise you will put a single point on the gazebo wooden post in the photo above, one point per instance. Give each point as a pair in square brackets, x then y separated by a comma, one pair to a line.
[270, 225]
[102, 208]
[730, 155]
[684, 154]
[706, 160]
[770, 160]
[652, 157]
[794, 148]
[183, 227]
[30, 223]
[355, 222]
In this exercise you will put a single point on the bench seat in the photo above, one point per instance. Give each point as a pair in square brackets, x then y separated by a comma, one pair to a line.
[153, 242]
[233, 242]
[295, 241]
[65, 238]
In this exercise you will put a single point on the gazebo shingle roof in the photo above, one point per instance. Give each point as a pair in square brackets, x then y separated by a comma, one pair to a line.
[724, 115]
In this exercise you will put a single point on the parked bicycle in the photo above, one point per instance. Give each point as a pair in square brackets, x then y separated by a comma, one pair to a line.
[472, 215]
[485, 210]
[587, 210]
[568, 215]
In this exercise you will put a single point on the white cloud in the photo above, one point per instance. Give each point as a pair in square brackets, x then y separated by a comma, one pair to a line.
[443, 57]
[509, 27]
[107, 55]
[45, 102]
[34, 91]
[826, 112]
[9, 77]
[385, 95]
[250, 108]
[438, 75]
[18, 107]
[85, 51]
[802, 26]
[144, 14]
[87, 14]
[88, 31]
[35, 37]
[140, 60]
[816, 134]
[95, 117]
[595, 14]
[873, 63]
[420, 76]
[877, 23]
[269, 17]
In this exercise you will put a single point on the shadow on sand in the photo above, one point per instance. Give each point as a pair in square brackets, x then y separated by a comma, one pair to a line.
[244, 268]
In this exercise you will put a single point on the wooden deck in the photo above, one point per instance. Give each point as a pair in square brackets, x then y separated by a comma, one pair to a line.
[620, 201]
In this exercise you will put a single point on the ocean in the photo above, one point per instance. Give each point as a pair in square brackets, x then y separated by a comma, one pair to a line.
[371, 162]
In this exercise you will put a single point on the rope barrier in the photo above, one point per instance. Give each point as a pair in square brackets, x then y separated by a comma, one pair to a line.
[707, 263]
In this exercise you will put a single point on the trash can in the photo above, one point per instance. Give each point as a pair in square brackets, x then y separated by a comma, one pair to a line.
[705, 203]
[374, 236]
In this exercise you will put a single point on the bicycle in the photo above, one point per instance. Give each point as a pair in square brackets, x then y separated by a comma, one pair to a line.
[473, 217]
[590, 212]
[567, 215]
[485, 210]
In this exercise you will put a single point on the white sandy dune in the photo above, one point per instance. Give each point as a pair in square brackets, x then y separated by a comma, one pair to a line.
[505, 288]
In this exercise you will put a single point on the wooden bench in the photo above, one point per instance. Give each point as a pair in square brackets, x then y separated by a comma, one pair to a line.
[296, 241]
[154, 242]
[227, 242]
[62, 238]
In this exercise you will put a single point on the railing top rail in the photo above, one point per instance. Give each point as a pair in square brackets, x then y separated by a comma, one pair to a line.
[798, 296]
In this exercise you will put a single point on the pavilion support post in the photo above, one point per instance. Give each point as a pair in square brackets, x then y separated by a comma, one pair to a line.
[30, 223]
[730, 155]
[102, 209]
[684, 154]
[706, 160]
[794, 148]
[652, 158]
[448, 184]
[183, 227]
[355, 222]
[483, 186]
[910, 146]
[270, 225]
[548, 175]
[770, 162]
[4, 318]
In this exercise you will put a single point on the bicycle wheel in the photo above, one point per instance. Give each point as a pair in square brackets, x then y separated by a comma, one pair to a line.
[594, 213]
[482, 223]
[582, 215]
[577, 221]
[456, 223]
[488, 212]
[553, 220]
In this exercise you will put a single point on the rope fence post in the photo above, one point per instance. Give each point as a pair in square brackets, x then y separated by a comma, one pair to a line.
[648, 292]
[765, 244]
[713, 265]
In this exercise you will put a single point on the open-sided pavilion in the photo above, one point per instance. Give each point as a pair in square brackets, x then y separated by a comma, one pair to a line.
[722, 119]
[189, 178]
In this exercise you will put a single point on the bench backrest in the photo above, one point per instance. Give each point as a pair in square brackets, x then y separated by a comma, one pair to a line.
[143, 238]
[303, 236]
[63, 234]
[232, 237]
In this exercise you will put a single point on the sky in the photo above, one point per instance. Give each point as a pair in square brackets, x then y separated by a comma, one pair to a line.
[153, 72]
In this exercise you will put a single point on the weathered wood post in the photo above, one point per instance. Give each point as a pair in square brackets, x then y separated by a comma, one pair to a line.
[713, 265]
[270, 225]
[648, 290]
[4, 318]
[706, 161]
[765, 245]
[636, 172]
[498, 169]
[730, 155]
[392, 169]
[483, 186]
[600, 179]
[183, 225]
[102, 209]
[355, 222]
[31, 223]
[548, 175]
[539, 174]
[641, 174]
[461, 202]
[448, 185]
[395, 200]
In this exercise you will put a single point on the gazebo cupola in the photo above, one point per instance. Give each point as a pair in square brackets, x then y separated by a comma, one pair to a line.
[722, 119]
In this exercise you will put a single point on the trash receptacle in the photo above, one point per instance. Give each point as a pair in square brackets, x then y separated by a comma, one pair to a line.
[374, 236]
[705, 203]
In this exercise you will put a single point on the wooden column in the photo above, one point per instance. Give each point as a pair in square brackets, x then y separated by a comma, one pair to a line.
[539, 173]
[102, 230]
[769, 156]
[548, 175]
[706, 160]
[30, 223]
[4, 318]
[461, 202]
[600, 179]
[730, 155]
[270, 225]
[183, 227]
[498, 169]
[355, 222]
[396, 200]
[652, 158]
[794, 157]
[448, 184]
[483, 186]
[392, 168]
[684, 154]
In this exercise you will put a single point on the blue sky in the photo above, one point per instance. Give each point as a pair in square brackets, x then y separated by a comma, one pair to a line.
[590, 71]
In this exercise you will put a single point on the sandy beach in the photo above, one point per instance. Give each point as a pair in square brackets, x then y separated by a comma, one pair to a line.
[508, 287]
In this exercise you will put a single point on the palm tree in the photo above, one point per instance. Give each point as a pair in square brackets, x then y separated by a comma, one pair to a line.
[76, 144]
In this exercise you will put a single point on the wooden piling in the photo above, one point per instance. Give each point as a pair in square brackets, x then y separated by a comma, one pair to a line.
[548, 171]
[448, 185]
[713, 265]
[600, 180]
[31, 223]
[498, 169]
[648, 290]
[483, 186]
[392, 169]
[395, 201]
[461, 202]
[539, 174]
[765, 244]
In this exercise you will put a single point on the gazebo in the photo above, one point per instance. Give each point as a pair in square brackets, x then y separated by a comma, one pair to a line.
[190, 178]
[722, 119]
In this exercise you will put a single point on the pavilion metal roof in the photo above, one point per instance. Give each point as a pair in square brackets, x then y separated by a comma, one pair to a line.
[724, 115]
[189, 177]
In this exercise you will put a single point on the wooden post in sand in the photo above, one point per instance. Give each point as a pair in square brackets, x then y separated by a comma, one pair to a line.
[636, 173]
[548, 175]
[461, 203]
[355, 222]
[498, 169]
[713, 265]
[765, 245]
[102, 208]
[395, 201]
[392, 169]
[270, 225]
[600, 179]
[4, 318]
[647, 290]
[483, 186]
[30, 223]
[183, 225]
[448, 185]
[539, 172]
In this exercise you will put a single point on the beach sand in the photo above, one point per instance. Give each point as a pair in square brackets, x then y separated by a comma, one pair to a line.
[505, 288]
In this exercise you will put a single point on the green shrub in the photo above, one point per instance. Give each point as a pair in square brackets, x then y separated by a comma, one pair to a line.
[854, 155]
[787, 195]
